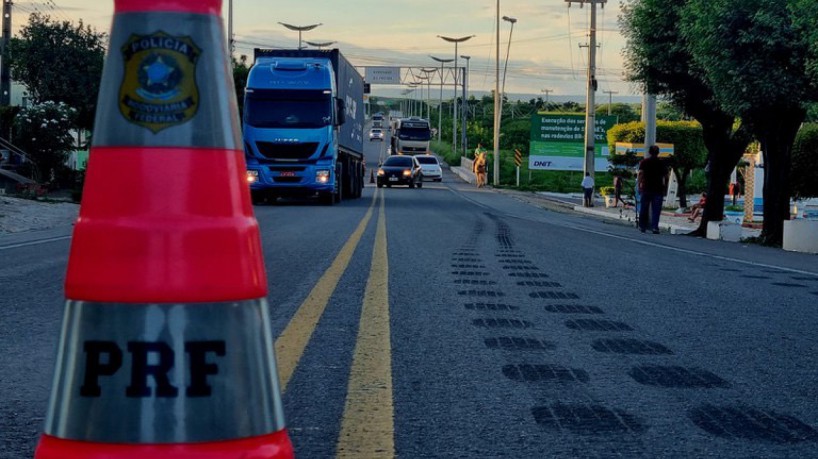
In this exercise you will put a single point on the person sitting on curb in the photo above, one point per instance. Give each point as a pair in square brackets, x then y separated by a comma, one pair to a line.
[698, 208]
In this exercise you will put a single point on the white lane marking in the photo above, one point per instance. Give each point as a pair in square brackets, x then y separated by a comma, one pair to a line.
[38, 241]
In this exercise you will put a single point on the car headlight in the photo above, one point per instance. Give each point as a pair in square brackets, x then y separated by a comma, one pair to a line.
[380, 172]
[322, 176]
[252, 176]
[407, 173]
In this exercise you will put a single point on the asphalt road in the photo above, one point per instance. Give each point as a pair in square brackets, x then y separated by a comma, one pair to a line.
[455, 322]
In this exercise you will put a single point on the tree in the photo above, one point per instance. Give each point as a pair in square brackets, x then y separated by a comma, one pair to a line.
[240, 73]
[754, 56]
[42, 130]
[60, 62]
[686, 137]
[660, 57]
[625, 112]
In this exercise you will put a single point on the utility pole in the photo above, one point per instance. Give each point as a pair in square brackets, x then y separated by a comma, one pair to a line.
[5, 71]
[590, 104]
[610, 99]
[497, 101]
[230, 28]
[547, 92]
[649, 118]
[464, 111]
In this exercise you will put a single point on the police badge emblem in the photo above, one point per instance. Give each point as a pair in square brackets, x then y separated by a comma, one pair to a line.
[159, 88]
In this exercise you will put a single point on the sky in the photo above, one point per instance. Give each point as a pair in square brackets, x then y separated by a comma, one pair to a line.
[545, 48]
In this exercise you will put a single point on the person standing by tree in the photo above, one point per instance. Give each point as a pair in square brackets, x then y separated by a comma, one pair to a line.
[617, 182]
[588, 190]
[651, 183]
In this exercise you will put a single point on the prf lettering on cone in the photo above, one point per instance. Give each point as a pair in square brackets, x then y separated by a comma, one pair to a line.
[166, 349]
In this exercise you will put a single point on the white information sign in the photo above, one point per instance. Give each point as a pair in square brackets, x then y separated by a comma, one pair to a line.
[383, 75]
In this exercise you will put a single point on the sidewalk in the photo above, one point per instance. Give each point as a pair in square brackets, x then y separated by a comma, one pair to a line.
[670, 221]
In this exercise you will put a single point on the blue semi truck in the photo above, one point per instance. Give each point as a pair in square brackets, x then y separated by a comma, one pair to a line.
[303, 126]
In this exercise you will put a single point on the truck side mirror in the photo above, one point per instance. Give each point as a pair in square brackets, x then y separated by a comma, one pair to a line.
[341, 112]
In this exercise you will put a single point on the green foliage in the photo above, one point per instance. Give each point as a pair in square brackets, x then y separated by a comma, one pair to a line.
[607, 191]
[240, 73]
[60, 62]
[626, 113]
[805, 163]
[669, 111]
[697, 182]
[42, 130]
[804, 14]
[516, 134]
[688, 146]
[686, 136]
[751, 53]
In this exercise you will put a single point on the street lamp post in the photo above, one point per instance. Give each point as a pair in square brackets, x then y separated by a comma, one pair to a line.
[497, 100]
[456, 42]
[421, 80]
[440, 107]
[505, 66]
[320, 45]
[428, 79]
[300, 29]
[508, 48]
[464, 138]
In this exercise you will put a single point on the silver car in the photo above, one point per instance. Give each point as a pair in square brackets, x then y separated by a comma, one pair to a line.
[430, 167]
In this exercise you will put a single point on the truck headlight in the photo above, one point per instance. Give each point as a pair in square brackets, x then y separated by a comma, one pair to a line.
[322, 176]
[252, 176]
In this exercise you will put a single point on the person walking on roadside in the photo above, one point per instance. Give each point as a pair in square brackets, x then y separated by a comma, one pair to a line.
[480, 169]
[651, 183]
[588, 190]
[617, 182]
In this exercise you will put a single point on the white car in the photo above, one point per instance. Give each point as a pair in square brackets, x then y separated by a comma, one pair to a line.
[376, 134]
[430, 167]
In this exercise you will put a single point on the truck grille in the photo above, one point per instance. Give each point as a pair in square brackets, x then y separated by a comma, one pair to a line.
[287, 179]
[286, 150]
[414, 149]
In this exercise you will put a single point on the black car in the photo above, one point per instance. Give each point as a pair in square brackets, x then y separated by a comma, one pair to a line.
[400, 170]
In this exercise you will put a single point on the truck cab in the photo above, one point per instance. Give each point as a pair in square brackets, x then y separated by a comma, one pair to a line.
[293, 113]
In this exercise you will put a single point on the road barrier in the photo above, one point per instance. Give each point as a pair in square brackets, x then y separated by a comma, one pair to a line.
[166, 349]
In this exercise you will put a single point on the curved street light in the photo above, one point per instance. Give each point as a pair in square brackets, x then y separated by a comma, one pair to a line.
[456, 42]
[463, 137]
[508, 51]
[440, 106]
[320, 45]
[300, 29]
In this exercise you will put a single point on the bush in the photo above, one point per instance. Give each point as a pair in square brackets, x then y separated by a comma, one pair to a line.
[805, 163]
[607, 191]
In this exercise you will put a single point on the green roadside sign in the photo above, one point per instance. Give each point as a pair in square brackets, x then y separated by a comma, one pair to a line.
[558, 141]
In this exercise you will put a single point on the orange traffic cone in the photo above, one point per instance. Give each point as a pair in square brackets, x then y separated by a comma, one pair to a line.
[166, 349]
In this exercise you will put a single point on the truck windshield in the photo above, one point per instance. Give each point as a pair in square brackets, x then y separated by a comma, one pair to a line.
[415, 134]
[287, 109]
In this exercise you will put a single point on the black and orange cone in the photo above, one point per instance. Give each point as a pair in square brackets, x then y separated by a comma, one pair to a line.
[372, 176]
[166, 349]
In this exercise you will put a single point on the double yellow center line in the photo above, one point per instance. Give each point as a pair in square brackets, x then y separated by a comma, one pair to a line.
[367, 427]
